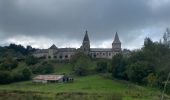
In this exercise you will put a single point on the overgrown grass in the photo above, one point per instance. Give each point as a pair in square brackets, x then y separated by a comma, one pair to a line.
[89, 86]
[92, 87]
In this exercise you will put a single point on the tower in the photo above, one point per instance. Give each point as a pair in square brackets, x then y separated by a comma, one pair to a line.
[116, 45]
[166, 37]
[86, 43]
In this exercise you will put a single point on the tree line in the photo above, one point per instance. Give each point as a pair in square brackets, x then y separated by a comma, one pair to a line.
[149, 65]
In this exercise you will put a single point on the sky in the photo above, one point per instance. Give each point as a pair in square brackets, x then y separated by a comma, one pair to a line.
[41, 23]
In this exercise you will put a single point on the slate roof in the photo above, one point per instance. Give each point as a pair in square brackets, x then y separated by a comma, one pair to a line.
[100, 49]
[41, 51]
[86, 37]
[116, 40]
[67, 49]
[53, 47]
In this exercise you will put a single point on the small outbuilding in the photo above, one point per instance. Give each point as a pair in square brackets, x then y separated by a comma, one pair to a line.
[48, 78]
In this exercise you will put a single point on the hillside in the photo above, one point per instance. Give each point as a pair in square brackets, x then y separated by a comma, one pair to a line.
[91, 87]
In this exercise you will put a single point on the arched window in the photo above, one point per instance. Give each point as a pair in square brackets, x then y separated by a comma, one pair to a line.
[61, 57]
[66, 56]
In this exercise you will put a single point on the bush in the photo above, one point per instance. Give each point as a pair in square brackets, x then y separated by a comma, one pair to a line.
[119, 65]
[5, 77]
[43, 68]
[102, 67]
[81, 67]
[8, 64]
[137, 72]
[31, 60]
[26, 74]
[81, 64]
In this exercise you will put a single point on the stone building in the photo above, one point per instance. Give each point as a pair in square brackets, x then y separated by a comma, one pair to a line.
[66, 53]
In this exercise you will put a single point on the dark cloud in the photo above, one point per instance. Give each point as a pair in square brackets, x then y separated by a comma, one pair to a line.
[68, 19]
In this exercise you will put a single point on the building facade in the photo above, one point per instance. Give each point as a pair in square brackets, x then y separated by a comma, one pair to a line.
[55, 53]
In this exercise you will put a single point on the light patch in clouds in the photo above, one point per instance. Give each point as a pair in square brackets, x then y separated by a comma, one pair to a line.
[156, 4]
[41, 42]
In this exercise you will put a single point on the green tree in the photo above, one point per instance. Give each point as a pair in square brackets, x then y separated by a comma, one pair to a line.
[119, 65]
[26, 74]
[82, 64]
[43, 68]
[137, 72]
[102, 66]
[31, 60]
[8, 64]
[5, 77]
[151, 79]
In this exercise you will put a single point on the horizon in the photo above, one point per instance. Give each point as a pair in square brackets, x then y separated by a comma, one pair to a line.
[78, 46]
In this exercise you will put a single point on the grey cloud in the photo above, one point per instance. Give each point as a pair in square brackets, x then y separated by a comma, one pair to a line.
[68, 19]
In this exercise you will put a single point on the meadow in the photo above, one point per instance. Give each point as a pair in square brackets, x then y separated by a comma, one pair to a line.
[90, 87]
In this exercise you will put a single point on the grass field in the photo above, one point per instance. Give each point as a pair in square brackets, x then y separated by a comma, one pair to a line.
[88, 86]
[91, 87]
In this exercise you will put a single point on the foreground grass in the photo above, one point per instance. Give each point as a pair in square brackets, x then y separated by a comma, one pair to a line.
[88, 87]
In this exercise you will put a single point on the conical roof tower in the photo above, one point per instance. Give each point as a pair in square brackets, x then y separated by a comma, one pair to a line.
[116, 45]
[86, 37]
[116, 40]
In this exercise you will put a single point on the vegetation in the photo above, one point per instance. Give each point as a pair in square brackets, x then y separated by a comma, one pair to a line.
[86, 88]
[31, 60]
[102, 67]
[42, 68]
[148, 66]
[81, 64]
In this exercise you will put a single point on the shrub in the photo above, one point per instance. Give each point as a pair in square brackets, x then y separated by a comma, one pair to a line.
[31, 60]
[26, 74]
[81, 64]
[43, 68]
[5, 77]
[119, 65]
[137, 72]
[101, 66]
[8, 64]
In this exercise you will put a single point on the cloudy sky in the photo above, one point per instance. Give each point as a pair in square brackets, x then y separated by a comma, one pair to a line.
[41, 23]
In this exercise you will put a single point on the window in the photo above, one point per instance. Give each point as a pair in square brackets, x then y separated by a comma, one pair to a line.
[94, 56]
[66, 56]
[61, 57]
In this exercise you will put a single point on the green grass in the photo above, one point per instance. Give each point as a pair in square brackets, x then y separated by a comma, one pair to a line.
[61, 68]
[93, 84]
[92, 87]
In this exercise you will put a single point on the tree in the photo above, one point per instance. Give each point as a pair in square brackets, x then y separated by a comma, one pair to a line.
[151, 79]
[26, 74]
[101, 66]
[81, 64]
[18, 48]
[5, 77]
[8, 64]
[137, 72]
[43, 68]
[119, 65]
[31, 60]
